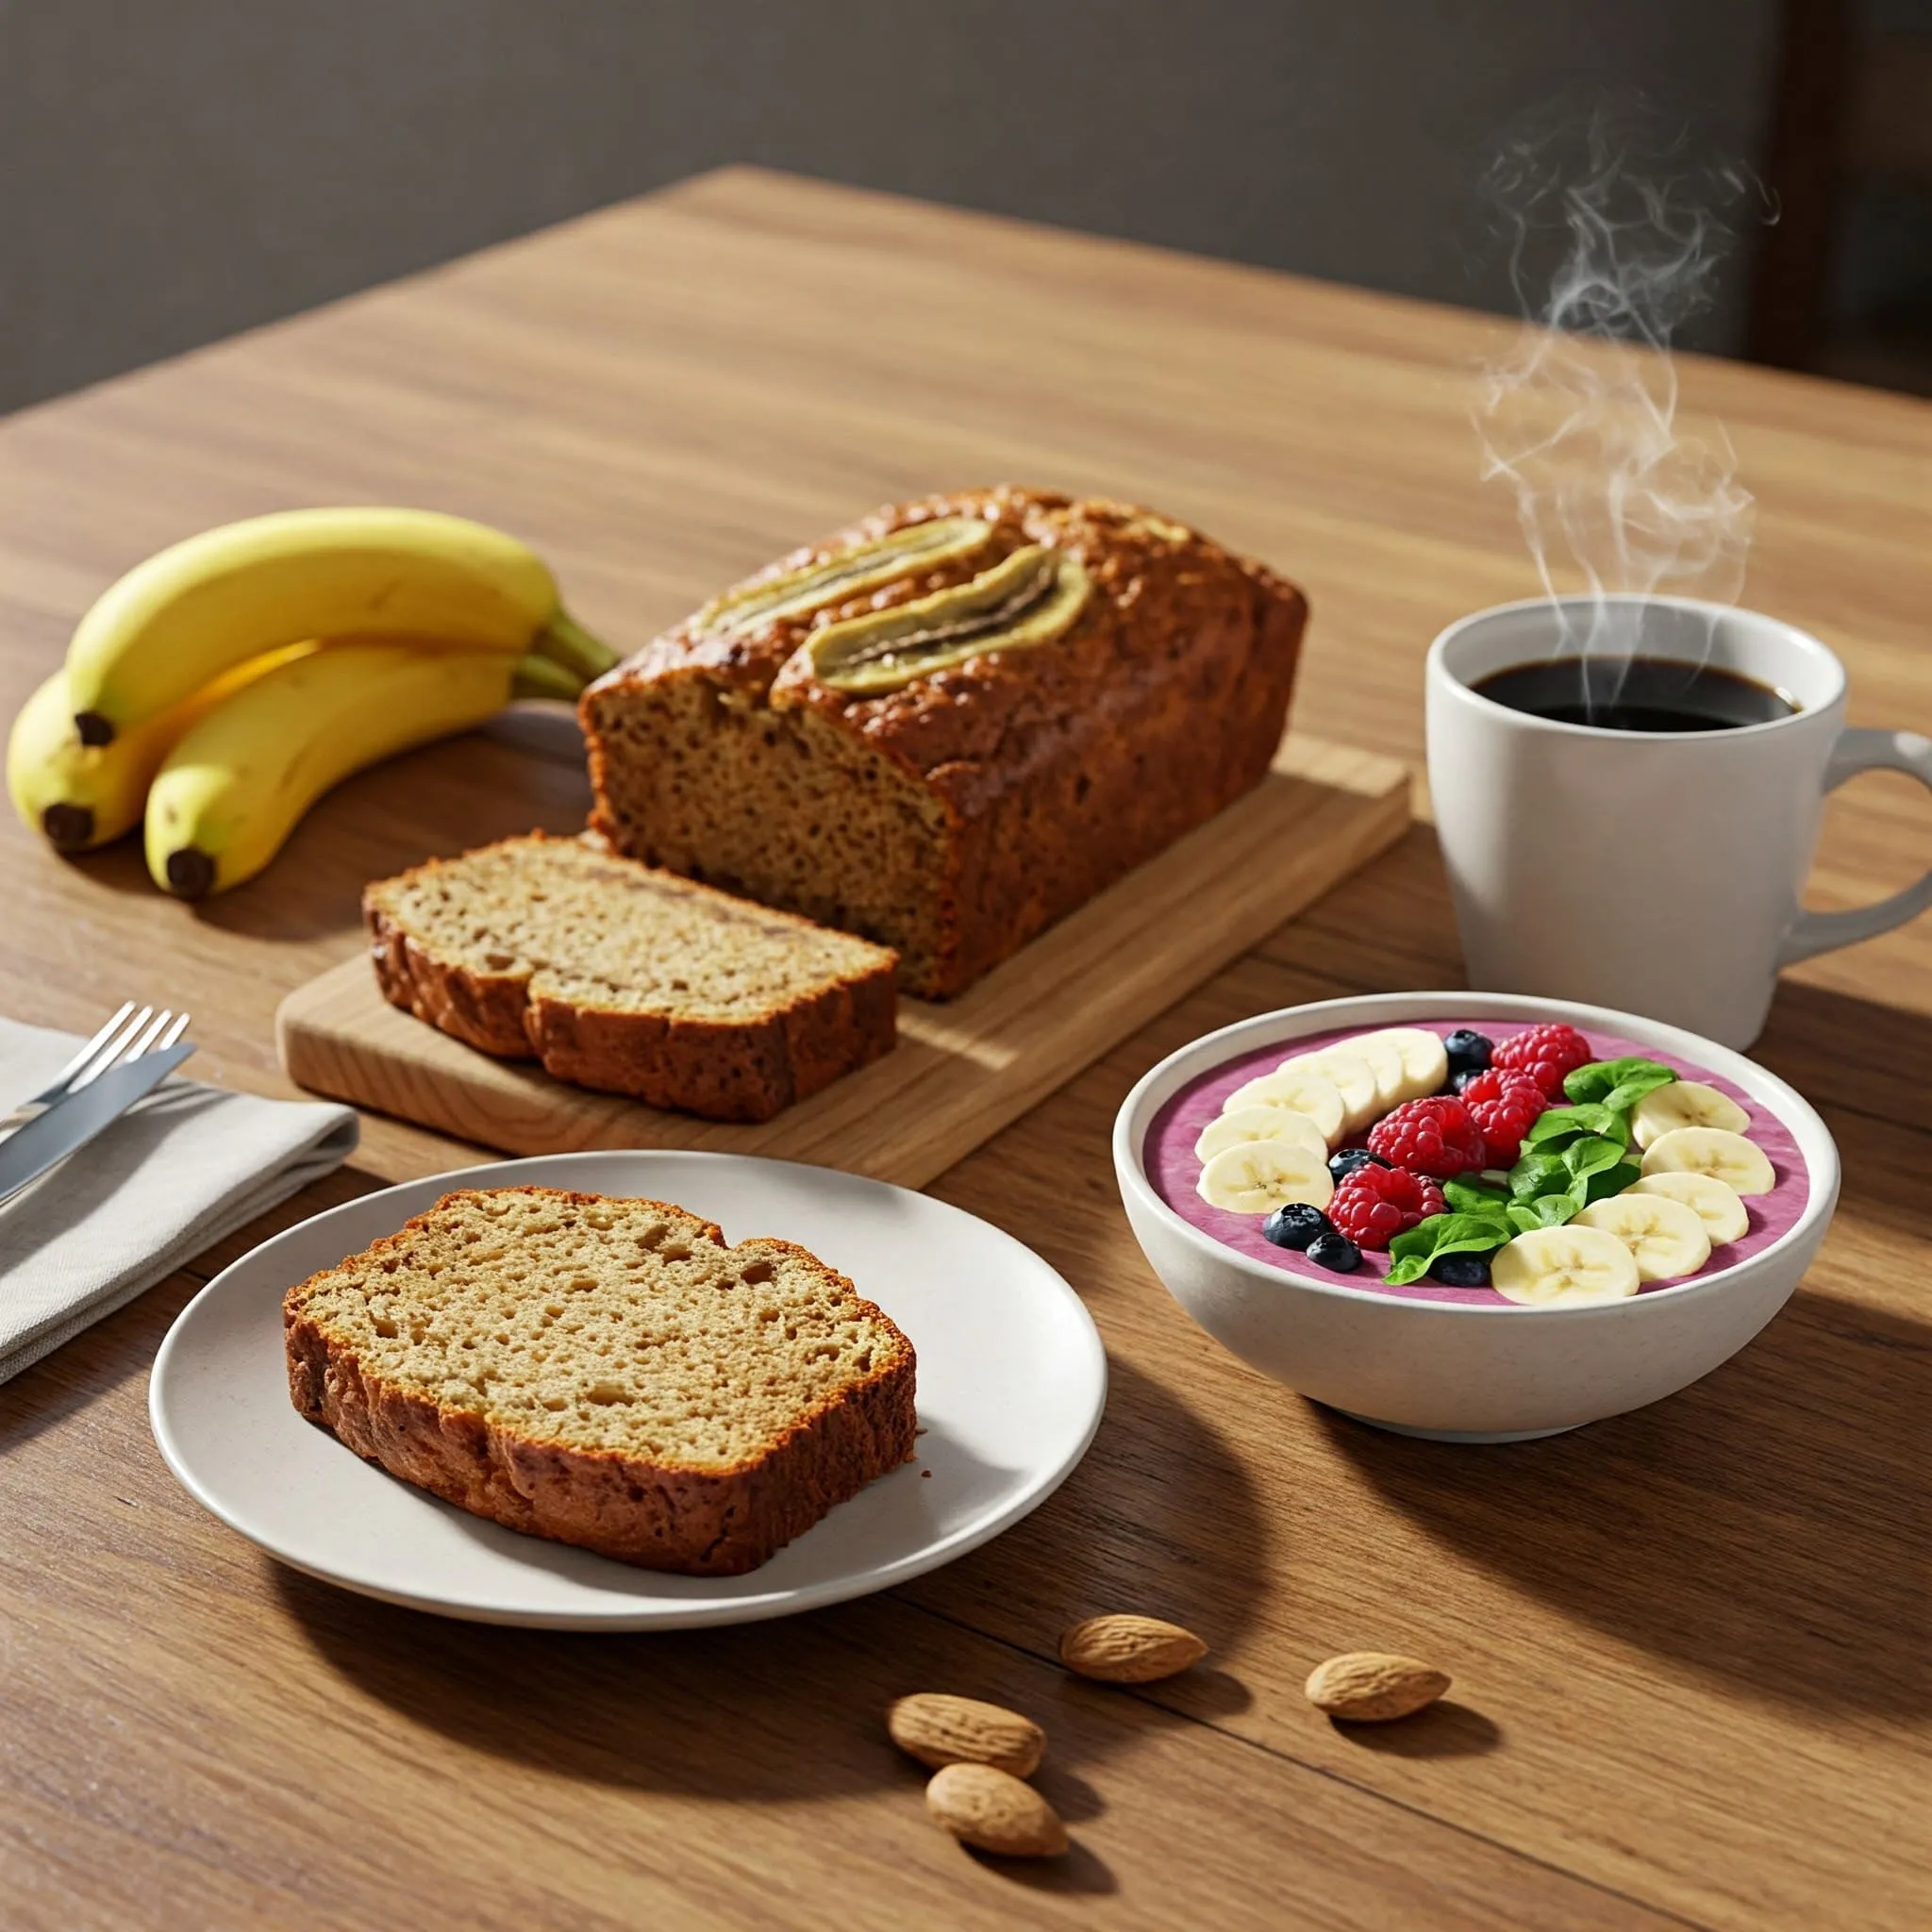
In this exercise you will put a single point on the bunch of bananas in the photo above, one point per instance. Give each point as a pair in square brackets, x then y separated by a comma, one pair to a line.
[220, 688]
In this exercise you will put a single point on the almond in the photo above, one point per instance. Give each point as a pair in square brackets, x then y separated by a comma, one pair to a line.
[992, 1811]
[1129, 1650]
[941, 1730]
[1371, 1686]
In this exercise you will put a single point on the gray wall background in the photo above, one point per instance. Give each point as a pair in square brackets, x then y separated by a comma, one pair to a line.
[172, 171]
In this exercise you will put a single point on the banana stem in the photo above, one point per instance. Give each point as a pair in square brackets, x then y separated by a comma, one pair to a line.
[565, 642]
[538, 677]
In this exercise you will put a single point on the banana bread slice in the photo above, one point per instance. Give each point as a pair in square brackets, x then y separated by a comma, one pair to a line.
[605, 1372]
[950, 724]
[629, 981]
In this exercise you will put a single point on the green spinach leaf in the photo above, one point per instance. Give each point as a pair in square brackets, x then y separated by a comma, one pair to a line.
[1626, 1097]
[1590, 1155]
[1537, 1173]
[1546, 1210]
[1601, 1080]
[1561, 1123]
[1467, 1198]
[1605, 1181]
[1416, 1251]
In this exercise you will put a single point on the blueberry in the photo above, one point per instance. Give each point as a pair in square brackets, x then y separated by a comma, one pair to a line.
[1458, 1082]
[1296, 1225]
[1468, 1051]
[1344, 1164]
[1462, 1271]
[1336, 1251]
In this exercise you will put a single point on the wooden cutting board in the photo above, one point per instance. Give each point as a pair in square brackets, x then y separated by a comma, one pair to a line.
[962, 1070]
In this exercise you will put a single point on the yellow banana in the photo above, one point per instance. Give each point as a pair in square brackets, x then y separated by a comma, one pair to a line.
[177, 621]
[78, 796]
[232, 789]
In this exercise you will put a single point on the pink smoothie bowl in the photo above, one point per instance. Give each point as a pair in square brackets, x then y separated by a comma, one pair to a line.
[1464, 1367]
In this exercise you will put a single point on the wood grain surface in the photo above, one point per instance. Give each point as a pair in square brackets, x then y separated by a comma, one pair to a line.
[1689, 1645]
[962, 1070]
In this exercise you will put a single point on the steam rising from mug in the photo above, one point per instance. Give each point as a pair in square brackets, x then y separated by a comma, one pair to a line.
[1581, 419]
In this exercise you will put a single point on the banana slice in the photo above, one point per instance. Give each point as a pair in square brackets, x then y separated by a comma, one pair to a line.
[1685, 1104]
[1424, 1059]
[1258, 1177]
[1666, 1238]
[1740, 1164]
[1259, 1124]
[1314, 1094]
[1354, 1080]
[1383, 1053]
[1716, 1204]
[1567, 1266]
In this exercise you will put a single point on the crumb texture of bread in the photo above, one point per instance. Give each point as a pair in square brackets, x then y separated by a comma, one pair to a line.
[607, 1373]
[630, 980]
[959, 815]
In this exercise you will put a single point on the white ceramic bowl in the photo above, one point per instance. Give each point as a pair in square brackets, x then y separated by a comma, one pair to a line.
[1463, 1371]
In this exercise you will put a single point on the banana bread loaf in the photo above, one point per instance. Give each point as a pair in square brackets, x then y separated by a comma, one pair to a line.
[605, 1372]
[629, 981]
[950, 724]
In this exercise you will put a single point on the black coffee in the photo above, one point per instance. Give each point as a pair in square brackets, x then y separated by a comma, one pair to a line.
[1636, 694]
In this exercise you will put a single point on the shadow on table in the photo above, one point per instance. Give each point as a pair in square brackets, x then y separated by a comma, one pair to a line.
[119, 866]
[793, 1710]
[780, 1713]
[434, 801]
[768, 1712]
[1447, 1730]
[1080, 1871]
[1767, 1526]
[1836, 1049]
[1162, 1518]
[524, 770]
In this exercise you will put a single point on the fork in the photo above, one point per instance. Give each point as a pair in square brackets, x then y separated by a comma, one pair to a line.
[126, 1037]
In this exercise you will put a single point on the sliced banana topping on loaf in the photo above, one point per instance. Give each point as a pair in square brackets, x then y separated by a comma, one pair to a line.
[846, 573]
[1031, 597]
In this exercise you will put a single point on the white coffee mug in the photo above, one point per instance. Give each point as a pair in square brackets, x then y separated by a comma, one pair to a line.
[1655, 872]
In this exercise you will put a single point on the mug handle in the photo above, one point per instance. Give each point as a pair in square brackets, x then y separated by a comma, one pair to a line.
[1856, 752]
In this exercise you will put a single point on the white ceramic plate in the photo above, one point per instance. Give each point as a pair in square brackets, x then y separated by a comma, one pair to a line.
[1012, 1379]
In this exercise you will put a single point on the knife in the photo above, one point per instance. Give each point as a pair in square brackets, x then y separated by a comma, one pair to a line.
[72, 1124]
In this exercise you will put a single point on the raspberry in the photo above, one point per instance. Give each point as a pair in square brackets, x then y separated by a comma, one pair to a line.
[1502, 1105]
[1433, 1137]
[1375, 1204]
[1545, 1054]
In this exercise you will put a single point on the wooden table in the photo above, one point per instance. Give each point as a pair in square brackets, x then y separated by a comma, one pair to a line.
[1689, 1645]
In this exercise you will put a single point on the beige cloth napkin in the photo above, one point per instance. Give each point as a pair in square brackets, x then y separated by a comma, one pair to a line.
[186, 1167]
